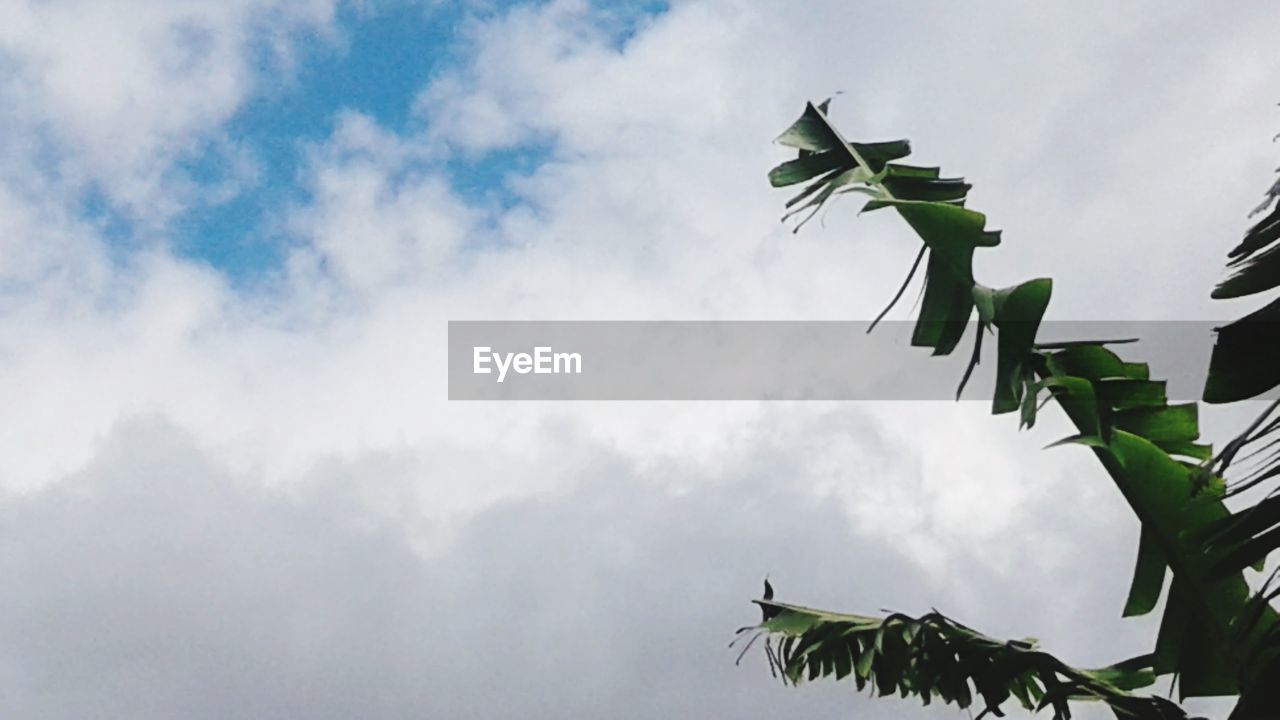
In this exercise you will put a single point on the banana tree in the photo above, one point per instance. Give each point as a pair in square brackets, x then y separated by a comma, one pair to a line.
[1217, 636]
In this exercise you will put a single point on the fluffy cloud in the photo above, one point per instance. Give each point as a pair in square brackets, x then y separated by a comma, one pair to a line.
[110, 101]
[156, 583]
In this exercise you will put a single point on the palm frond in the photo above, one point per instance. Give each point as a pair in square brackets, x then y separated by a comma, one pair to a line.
[1149, 447]
[934, 657]
[1246, 357]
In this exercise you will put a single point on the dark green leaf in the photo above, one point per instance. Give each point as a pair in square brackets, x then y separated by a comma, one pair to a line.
[1123, 393]
[1148, 576]
[1246, 357]
[811, 132]
[1132, 674]
[1018, 311]
[808, 166]
[1169, 424]
[1255, 275]
[945, 309]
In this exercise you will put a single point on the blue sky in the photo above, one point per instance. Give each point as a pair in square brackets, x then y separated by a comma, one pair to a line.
[383, 56]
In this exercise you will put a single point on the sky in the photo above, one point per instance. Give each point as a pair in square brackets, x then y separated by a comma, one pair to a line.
[232, 234]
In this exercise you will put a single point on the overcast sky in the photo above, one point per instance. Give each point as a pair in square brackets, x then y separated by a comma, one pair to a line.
[232, 233]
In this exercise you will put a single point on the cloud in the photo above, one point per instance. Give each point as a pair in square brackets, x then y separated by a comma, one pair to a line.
[156, 583]
[115, 102]
[375, 221]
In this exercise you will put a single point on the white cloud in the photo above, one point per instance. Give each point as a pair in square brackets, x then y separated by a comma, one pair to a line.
[111, 98]
[154, 583]
[376, 221]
